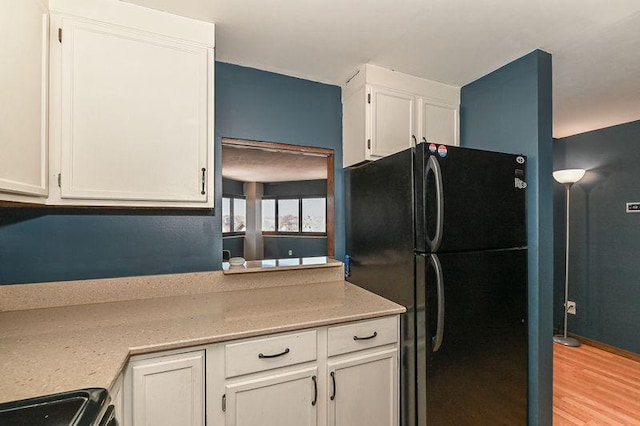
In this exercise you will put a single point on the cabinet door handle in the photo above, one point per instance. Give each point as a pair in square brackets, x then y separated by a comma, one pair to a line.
[203, 180]
[261, 355]
[375, 333]
[315, 391]
[333, 381]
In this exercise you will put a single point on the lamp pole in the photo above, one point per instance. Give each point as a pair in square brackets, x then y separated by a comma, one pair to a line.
[567, 178]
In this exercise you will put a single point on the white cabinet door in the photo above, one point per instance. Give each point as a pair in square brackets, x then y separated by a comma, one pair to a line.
[281, 398]
[135, 115]
[23, 99]
[392, 121]
[438, 123]
[168, 390]
[363, 390]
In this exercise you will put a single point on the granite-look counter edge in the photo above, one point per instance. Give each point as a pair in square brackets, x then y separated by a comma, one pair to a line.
[64, 348]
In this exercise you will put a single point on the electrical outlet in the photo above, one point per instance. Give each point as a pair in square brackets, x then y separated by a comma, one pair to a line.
[290, 252]
[571, 307]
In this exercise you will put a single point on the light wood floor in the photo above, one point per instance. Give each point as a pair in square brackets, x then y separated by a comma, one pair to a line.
[594, 387]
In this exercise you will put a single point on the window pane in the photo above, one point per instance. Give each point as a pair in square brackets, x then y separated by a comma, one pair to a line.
[239, 214]
[314, 215]
[226, 215]
[288, 215]
[268, 215]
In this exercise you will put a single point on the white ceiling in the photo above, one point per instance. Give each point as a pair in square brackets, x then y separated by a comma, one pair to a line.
[595, 44]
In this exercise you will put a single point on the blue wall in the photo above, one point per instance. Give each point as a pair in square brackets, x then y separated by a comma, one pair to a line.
[235, 245]
[510, 110]
[232, 187]
[278, 247]
[45, 244]
[605, 241]
[297, 188]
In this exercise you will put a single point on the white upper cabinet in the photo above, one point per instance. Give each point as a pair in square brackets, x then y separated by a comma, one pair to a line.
[385, 112]
[392, 117]
[23, 101]
[131, 106]
[438, 122]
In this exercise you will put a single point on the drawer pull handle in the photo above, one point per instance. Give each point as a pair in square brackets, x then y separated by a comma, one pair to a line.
[261, 355]
[375, 333]
[315, 390]
[333, 380]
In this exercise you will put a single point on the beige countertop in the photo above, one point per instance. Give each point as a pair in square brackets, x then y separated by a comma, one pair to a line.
[63, 348]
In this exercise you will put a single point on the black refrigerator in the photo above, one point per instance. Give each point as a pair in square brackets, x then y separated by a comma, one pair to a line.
[442, 230]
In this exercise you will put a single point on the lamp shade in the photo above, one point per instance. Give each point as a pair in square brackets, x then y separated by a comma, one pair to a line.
[568, 175]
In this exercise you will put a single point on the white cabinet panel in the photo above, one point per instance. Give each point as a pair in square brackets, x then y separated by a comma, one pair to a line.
[23, 100]
[438, 123]
[168, 390]
[279, 399]
[363, 390]
[354, 128]
[134, 114]
[392, 116]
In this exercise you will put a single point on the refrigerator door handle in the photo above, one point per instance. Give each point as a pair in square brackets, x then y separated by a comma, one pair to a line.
[437, 339]
[434, 166]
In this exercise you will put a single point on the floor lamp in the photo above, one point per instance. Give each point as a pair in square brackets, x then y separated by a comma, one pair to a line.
[567, 178]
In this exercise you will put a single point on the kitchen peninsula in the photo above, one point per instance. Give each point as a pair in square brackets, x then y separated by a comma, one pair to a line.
[81, 334]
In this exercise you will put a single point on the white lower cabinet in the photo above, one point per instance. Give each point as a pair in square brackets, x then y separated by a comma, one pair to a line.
[343, 375]
[363, 389]
[166, 390]
[280, 398]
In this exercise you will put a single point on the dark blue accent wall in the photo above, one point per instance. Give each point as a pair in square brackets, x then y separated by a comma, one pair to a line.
[278, 247]
[605, 240]
[235, 245]
[298, 188]
[510, 110]
[232, 187]
[46, 244]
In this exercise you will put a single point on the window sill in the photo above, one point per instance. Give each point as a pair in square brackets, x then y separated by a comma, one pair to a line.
[280, 265]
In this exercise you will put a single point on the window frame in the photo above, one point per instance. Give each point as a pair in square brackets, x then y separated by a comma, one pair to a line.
[300, 231]
[232, 215]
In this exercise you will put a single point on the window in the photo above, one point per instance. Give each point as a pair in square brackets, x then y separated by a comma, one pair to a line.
[288, 215]
[234, 215]
[314, 215]
[239, 215]
[294, 215]
[269, 215]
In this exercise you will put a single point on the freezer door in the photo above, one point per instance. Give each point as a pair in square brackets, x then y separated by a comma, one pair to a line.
[469, 199]
[472, 338]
